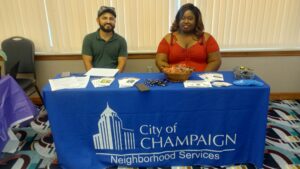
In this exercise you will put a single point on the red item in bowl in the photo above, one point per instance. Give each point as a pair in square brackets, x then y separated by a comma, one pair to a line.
[180, 68]
[177, 73]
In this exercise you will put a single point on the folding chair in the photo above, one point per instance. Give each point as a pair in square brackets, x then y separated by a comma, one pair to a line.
[20, 59]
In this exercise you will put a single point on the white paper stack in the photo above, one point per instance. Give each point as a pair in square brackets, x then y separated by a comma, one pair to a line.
[211, 77]
[104, 72]
[69, 83]
[103, 82]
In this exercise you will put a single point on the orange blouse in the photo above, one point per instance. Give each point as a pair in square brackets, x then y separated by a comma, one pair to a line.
[194, 56]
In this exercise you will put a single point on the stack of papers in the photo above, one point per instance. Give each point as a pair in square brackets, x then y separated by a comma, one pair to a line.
[69, 83]
[211, 77]
[104, 72]
[103, 82]
[196, 84]
[127, 82]
[216, 79]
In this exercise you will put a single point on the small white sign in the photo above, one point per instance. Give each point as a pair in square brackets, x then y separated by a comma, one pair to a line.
[221, 84]
[69, 83]
[127, 82]
[196, 84]
[212, 77]
[103, 82]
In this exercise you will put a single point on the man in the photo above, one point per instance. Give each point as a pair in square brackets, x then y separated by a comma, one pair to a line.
[105, 48]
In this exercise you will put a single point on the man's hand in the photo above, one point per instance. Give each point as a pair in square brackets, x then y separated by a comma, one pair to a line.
[121, 63]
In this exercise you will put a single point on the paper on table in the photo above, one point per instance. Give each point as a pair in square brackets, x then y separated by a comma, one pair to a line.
[82, 81]
[127, 82]
[221, 84]
[69, 83]
[212, 76]
[196, 84]
[102, 82]
[102, 72]
[62, 83]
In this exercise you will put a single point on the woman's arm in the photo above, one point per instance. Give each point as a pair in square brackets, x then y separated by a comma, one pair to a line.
[213, 62]
[214, 57]
[161, 60]
[162, 52]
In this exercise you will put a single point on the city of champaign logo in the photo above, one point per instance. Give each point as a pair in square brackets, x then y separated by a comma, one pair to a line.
[155, 141]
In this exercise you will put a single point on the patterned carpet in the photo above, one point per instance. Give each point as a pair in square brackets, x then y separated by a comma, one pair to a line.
[36, 149]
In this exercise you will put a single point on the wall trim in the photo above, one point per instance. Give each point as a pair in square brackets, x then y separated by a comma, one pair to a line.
[152, 55]
[57, 57]
[261, 54]
[285, 96]
[273, 96]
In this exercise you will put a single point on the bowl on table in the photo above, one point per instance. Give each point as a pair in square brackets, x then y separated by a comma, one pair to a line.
[177, 73]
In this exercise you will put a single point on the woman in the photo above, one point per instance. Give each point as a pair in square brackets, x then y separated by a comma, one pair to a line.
[188, 44]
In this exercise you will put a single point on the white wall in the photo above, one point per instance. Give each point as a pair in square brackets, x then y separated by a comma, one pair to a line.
[281, 73]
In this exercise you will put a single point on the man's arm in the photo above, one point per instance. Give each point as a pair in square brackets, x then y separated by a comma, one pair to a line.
[87, 61]
[121, 63]
[123, 53]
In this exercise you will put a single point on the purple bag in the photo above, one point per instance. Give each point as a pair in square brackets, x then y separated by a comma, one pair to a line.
[15, 107]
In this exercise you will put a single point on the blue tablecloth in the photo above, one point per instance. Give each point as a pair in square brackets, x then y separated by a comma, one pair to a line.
[167, 126]
[15, 107]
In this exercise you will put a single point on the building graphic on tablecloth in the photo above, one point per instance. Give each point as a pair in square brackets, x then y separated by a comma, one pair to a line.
[112, 135]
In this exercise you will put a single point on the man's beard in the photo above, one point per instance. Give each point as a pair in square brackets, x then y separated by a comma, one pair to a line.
[107, 30]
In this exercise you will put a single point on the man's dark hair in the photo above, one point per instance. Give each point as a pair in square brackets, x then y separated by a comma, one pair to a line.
[199, 26]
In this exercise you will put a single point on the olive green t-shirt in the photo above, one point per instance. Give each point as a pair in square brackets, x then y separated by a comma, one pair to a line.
[104, 54]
